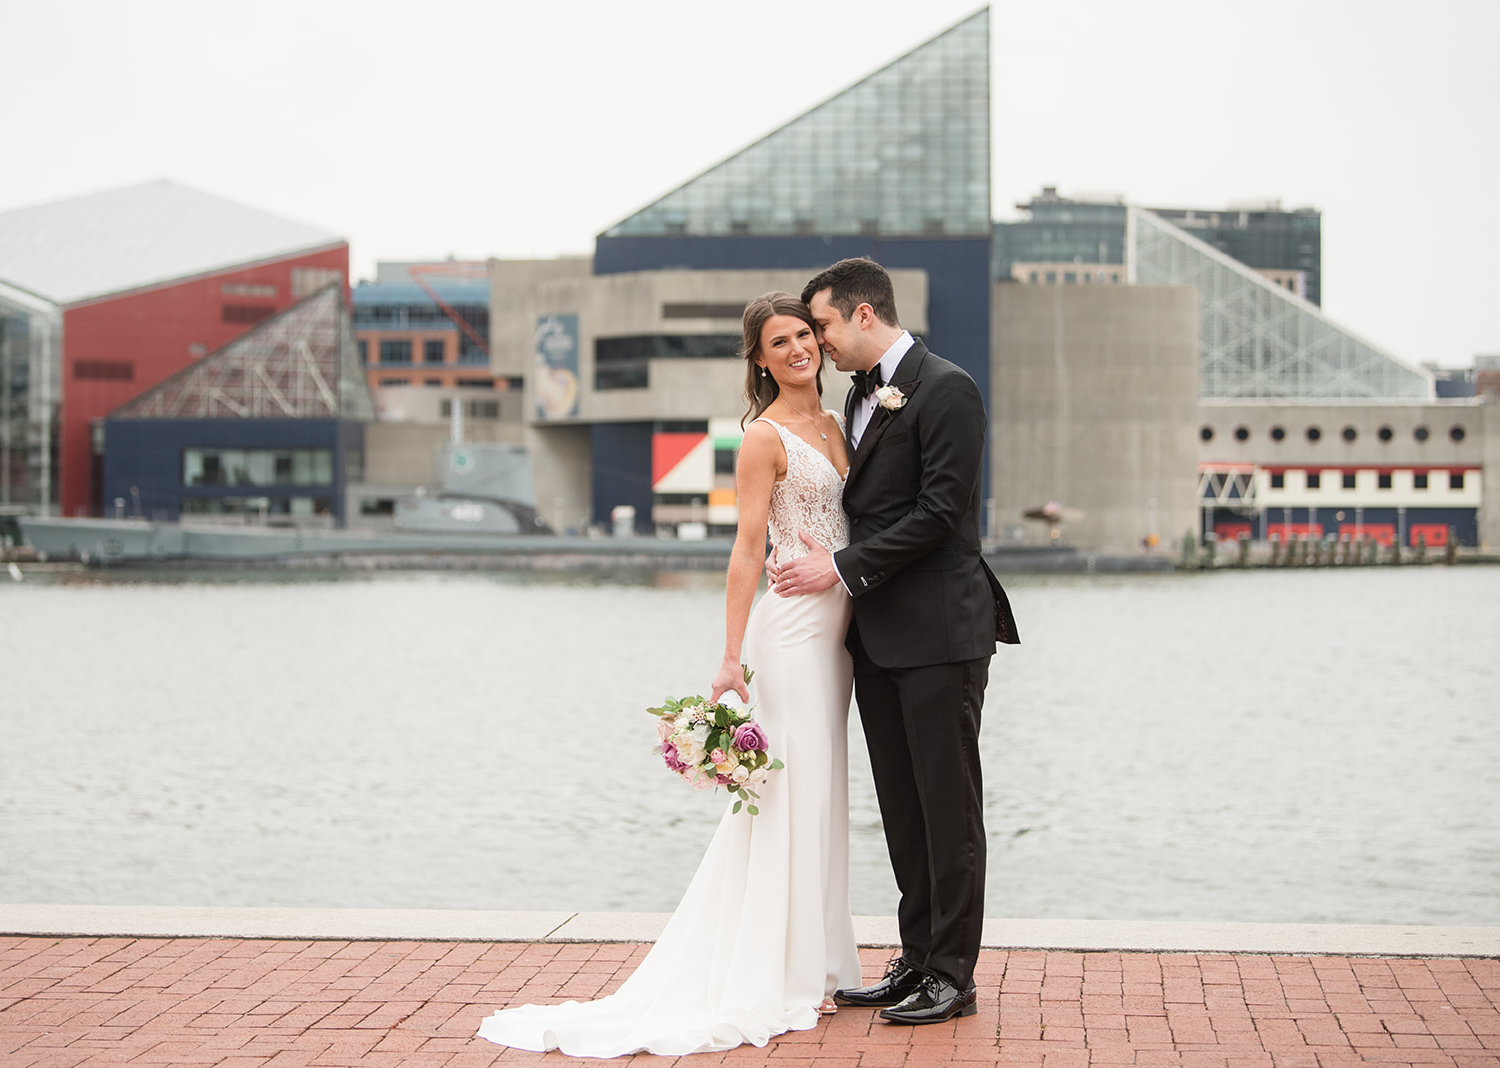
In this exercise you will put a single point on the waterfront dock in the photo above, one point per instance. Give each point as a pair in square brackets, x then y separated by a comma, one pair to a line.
[285, 988]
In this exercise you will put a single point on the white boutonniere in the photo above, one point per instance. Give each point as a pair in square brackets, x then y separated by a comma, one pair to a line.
[890, 397]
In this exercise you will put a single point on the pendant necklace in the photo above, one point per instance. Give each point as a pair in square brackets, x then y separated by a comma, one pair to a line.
[817, 423]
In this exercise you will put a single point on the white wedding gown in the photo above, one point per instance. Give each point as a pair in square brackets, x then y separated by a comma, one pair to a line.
[763, 932]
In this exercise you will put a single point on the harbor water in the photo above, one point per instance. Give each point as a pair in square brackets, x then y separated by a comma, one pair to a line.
[1308, 746]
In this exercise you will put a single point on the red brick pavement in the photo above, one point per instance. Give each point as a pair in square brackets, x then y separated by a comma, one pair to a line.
[242, 1004]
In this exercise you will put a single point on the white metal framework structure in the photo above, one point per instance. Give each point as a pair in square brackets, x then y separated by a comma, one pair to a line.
[1256, 339]
[300, 364]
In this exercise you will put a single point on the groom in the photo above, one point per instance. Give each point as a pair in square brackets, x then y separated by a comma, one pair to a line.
[927, 614]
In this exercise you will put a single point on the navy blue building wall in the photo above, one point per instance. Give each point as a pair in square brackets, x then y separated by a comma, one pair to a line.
[621, 457]
[958, 291]
[147, 454]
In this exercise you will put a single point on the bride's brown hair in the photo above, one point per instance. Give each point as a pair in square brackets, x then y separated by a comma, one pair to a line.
[761, 389]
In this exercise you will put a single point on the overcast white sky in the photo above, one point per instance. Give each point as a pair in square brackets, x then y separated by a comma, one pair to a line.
[493, 127]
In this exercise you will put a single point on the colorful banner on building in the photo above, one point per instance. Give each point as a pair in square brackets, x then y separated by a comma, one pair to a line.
[554, 382]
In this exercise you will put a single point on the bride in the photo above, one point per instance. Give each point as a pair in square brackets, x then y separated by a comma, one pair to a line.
[762, 937]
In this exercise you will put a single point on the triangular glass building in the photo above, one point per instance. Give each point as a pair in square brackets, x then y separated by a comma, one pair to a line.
[1257, 339]
[300, 364]
[904, 152]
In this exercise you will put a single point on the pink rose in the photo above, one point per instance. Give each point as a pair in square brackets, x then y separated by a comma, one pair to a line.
[718, 756]
[673, 761]
[663, 729]
[749, 736]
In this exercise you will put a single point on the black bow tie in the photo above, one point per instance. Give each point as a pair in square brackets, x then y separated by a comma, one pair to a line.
[867, 382]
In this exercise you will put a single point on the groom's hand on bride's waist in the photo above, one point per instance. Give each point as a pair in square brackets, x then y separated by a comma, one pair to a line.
[812, 573]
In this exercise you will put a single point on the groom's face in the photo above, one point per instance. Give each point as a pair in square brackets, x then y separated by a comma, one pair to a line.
[842, 341]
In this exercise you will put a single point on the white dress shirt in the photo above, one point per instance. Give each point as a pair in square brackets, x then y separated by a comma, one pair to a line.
[864, 408]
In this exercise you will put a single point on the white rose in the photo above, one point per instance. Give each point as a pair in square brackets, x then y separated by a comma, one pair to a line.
[757, 776]
[740, 774]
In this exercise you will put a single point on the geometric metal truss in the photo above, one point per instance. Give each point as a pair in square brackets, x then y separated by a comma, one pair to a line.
[300, 364]
[905, 150]
[1227, 485]
[1256, 339]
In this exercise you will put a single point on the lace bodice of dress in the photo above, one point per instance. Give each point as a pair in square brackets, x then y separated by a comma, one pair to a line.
[810, 498]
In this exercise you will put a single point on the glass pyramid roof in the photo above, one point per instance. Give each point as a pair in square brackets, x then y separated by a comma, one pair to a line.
[1255, 338]
[906, 151]
[300, 364]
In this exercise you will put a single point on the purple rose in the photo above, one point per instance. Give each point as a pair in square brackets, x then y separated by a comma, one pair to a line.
[749, 736]
[669, 754]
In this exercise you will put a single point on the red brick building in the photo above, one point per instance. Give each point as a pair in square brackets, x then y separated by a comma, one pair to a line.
[104, 296]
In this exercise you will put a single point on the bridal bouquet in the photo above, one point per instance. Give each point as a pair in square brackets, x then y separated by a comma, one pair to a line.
[712, 745]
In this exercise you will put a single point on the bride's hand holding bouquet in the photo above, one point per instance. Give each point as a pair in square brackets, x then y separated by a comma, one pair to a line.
[710, 744]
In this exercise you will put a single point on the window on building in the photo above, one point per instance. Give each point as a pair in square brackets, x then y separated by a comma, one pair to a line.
[246, 313]
[1277, 433]
[395, 382]
[1314, 480]
[1419, 480]
[1455, 480]
[475, 383]
[1070, 277]
[432, 383]
[1383, 480]
[1385, 433]
[1278, 480]
[1242, 433]
[257, 467]
[308, 280]
[1313, 433]
[1034, 277]
[1051, 277]
[104, 370]
[1420, 433]
[703, 310]
[1457, 433]
[624, 362]
[1349, 433]
[395, 351]
[247, 289]
[432, 350]
[1349, 479]
[1206, 433]
[364, 351]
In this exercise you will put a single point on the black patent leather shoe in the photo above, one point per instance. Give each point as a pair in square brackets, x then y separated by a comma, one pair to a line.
[934, 1001]
[901, 982]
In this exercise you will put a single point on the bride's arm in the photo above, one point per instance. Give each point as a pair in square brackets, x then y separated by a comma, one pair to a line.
[762, 458]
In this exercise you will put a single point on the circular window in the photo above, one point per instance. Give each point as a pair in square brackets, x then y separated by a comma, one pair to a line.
[1242, 433]
[1457, 433]
[1207, 433]
[1385, 433]
[1420, 433]
[1313, 433]
[1350, 433]
[1277, 433]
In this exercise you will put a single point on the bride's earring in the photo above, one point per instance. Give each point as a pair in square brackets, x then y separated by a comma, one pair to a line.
[763, 372]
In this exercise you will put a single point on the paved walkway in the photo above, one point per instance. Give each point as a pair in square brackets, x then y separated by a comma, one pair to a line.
[240, 1003]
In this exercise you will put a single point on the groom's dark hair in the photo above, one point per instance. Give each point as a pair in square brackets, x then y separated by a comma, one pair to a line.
[854, 282]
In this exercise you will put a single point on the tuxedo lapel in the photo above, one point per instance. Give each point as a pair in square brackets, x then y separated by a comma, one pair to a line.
[905, 379]
[882, 419]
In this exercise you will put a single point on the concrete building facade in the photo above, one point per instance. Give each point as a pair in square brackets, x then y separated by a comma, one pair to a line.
[1093, 399]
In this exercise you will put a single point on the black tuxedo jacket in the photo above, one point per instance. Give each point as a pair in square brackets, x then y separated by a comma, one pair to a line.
[922, 592]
